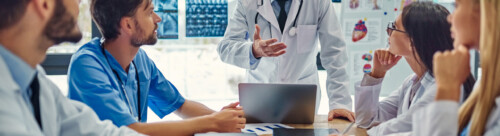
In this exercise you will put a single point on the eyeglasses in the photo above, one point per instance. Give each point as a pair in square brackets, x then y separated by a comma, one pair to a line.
[392, 27]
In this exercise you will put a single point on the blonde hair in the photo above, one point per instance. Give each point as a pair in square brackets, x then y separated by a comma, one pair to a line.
[478, 106]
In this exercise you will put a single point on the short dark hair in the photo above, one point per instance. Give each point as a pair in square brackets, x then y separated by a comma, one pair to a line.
[108, 13]
[429, 31]
[11, 12]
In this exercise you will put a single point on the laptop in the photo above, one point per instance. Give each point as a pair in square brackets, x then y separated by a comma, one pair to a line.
[278, 103]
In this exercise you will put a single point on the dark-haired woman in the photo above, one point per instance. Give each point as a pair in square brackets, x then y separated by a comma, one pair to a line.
[419, 32]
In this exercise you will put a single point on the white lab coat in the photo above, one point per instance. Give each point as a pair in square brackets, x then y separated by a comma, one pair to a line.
[60, 116]
[440, 118]
[317, 19]
[392, 115]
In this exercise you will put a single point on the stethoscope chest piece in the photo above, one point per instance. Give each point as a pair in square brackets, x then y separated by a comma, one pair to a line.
[292, 31]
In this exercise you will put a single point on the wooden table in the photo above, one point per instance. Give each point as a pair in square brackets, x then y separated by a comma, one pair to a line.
[321, 121]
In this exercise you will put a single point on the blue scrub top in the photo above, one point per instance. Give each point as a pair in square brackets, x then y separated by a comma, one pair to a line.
[92, 81]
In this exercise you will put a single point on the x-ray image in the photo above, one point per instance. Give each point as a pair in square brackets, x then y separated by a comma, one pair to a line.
[165, 5]
[206, 18]
[168, 27]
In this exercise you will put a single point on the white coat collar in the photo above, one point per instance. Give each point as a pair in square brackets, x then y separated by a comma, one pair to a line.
[426, 84]
[266, 11]
[8, 83]
[427, 80]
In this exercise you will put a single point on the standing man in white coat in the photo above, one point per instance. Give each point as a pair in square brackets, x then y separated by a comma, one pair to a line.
[297, 25]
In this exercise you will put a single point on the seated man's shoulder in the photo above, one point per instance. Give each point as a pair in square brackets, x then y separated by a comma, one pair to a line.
[90, 53]
[88, 49]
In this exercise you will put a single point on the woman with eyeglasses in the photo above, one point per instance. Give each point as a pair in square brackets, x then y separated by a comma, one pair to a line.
[475, 25]
[419, 32]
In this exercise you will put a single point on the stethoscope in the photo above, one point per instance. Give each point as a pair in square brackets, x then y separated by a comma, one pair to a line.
[123, 87]
[293, 30]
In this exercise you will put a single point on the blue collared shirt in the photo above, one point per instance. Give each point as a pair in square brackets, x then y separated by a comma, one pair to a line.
[92, 81]
[22, 73]
[276, 9]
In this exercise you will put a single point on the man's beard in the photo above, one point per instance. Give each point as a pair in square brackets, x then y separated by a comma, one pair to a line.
[137, 41]
[61, 25]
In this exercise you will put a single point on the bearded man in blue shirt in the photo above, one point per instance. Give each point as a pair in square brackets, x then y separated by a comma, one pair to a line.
[119, 81]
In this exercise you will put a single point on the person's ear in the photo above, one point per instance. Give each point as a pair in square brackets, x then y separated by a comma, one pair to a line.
[411, 47]
[127, 25]
[44, 8]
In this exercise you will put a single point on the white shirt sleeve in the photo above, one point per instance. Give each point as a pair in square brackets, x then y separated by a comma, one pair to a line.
[234, 48]
[334, 57]
[369, 111]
